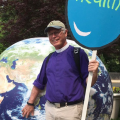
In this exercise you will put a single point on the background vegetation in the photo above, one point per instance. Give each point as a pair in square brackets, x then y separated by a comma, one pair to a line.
[22, 19]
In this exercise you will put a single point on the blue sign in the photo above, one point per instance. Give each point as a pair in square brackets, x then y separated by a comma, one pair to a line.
[94, 24]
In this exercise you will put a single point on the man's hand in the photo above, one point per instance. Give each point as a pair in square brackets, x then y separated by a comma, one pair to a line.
[28, 110]
[93, 66]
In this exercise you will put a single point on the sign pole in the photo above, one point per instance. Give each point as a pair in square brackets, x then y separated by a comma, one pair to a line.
[84, 111]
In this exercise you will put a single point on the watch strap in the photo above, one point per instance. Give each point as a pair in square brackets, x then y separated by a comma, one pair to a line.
[32, 104]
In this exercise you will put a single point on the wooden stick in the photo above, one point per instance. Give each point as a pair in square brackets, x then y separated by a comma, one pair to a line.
[84, 111]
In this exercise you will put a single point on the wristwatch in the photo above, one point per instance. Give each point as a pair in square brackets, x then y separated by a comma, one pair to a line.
[32, 104]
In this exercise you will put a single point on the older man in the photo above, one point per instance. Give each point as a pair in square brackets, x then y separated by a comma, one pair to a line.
[64, 85]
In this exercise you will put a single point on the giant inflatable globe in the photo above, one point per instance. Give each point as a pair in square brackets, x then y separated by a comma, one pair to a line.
[19, 67]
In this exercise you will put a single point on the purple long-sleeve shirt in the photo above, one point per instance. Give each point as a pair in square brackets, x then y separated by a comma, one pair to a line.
[61, 77]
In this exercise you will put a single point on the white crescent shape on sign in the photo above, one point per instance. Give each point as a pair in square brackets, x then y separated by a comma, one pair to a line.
[80, 32]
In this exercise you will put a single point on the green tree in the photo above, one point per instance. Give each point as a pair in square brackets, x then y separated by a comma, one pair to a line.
[110, 56]
[23, 19]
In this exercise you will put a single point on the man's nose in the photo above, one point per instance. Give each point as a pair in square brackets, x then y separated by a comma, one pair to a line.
[53, 35]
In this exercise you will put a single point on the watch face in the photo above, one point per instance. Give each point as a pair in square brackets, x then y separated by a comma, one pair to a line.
[93, 24]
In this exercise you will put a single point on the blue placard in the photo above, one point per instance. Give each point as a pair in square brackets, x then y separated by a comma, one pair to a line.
[94, 24]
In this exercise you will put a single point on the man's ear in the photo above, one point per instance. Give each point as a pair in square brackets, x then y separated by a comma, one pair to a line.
[66, 32]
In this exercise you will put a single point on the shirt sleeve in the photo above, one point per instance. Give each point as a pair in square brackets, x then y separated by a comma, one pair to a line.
[84, 62]
[41, 80]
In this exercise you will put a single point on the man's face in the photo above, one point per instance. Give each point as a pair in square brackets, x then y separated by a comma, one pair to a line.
[57, 37]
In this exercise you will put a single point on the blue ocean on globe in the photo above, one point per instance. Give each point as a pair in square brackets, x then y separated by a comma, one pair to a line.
[19, 67]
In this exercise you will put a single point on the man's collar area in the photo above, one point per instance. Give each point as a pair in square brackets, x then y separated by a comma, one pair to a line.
[63, 48]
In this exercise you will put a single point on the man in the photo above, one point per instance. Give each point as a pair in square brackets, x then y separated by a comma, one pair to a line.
[64, 86]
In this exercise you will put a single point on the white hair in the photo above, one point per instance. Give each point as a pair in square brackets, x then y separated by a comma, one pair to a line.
[63, 29]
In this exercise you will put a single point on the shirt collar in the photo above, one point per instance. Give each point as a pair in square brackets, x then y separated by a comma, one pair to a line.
[63, 48]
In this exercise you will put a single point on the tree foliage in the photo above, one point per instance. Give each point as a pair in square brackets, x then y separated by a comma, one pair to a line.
[28, 18]
[110, 56]
[22, 19]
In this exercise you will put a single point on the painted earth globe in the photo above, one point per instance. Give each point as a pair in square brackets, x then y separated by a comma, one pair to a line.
[19, 67]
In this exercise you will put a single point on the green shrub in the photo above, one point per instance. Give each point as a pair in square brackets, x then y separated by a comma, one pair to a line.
[2, 47]
[112, 64]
